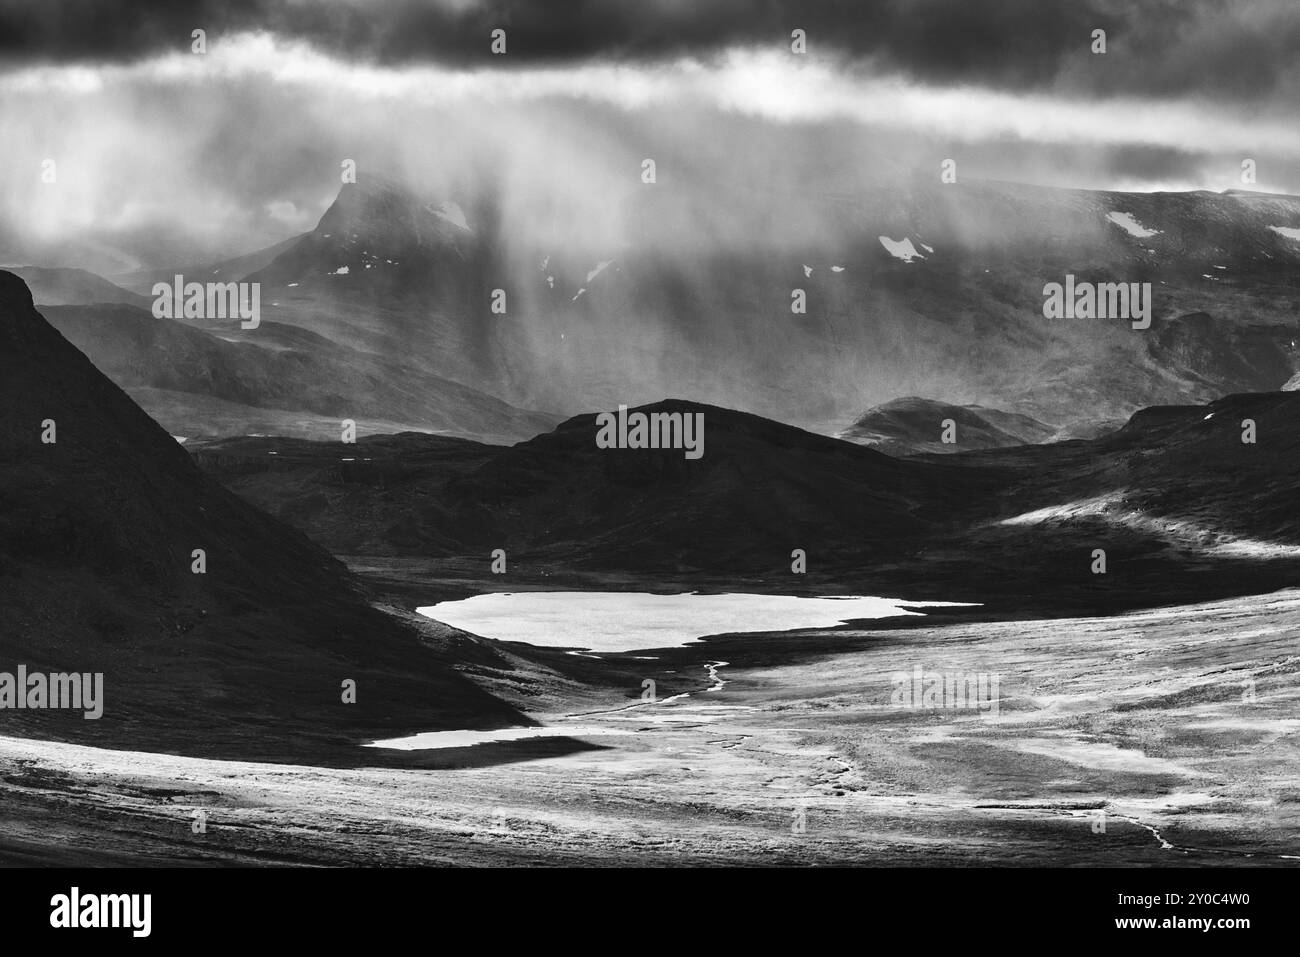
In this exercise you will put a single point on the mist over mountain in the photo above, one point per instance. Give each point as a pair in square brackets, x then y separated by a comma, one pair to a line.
[142, 280]
[283, 380]
[925, 290]
[70, 287]
[412, 311]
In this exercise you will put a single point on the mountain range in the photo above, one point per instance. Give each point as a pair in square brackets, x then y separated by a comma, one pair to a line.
[405, 312]
[912, 290]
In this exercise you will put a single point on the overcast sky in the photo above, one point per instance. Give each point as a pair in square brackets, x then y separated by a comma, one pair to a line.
[160, 151]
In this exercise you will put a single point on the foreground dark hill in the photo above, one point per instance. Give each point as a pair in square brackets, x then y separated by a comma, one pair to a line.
[760, 490]
[97, 533]
[1181, 507]
[197, 382]
[380, 496]
[1182, 470]
[910, 425]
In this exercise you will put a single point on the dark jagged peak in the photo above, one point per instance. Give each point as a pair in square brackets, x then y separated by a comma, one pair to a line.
[383, 211]
[378, 239]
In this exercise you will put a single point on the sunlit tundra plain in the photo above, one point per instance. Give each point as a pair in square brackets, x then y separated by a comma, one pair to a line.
[1160, 737]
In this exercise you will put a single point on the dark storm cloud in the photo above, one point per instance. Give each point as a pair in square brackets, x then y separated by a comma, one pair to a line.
[1161, 47]
[163, 156]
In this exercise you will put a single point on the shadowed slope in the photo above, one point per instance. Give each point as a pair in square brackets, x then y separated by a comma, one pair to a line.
[97, 532]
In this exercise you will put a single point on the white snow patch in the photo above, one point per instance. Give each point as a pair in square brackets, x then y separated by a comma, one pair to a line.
[600, 268]
[341, 271]
[928, 249]
[1099, 755]
[580, 292]
[1287, 231]
[837, 269]
[807, 271]
[1131, 226]
[292, 284]
[902, 248]
[452, 214]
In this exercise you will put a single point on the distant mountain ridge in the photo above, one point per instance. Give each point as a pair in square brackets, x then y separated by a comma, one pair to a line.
[910, 425]
[807, 331]
[71, 287]
[301, 377]
[390, 271]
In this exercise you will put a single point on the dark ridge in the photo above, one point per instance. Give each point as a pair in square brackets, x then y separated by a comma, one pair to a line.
[96, 536]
